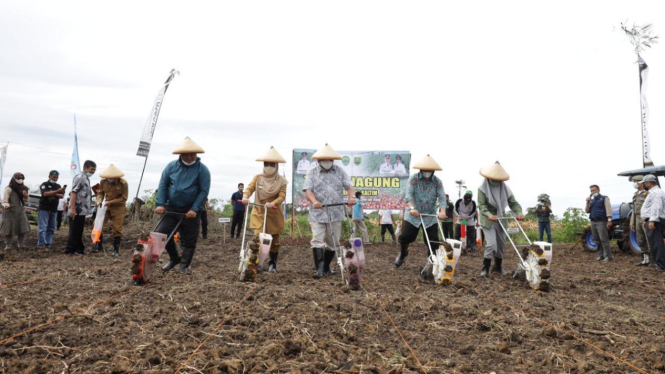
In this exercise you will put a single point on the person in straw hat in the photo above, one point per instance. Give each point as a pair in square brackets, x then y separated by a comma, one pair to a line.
[183, 188]
[325, 184]
[493, 198]
[424, 193]
[114, 190]
[270, 188]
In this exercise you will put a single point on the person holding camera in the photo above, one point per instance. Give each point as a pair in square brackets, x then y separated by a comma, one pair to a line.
[600, 214]
[543, 212]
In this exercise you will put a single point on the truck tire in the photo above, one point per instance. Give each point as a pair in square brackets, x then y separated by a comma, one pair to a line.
[587, 240]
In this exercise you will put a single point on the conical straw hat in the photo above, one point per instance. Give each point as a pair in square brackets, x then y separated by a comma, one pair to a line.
[495, 172]
[272, 156]
[188, 146]
[326, 153]
[112, 172]
[427, 163]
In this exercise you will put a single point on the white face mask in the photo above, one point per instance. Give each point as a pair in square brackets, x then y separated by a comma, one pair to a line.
[326, 164]
[269, 170]
[636, 185]
[19, 181]
[188, 163]
[427, 174]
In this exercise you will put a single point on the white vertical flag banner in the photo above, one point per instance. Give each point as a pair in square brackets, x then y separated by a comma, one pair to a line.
[75, 165]
[646, 146]
[151, 122]
[3, 158]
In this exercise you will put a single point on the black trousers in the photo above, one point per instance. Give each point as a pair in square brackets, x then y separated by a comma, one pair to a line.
[237, 221]
[204, 223]
[410, 232]
[59, 219]
[75, 241]
[389, 227]
[655, 237]
[189, 231]
[447, 229]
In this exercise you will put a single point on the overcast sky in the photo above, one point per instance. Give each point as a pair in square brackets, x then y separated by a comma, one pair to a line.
[551, 91]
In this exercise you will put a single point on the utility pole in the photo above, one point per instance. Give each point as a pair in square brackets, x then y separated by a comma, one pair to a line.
[460, 187]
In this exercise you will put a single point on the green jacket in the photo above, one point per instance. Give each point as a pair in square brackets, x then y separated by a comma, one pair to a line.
[486, 210]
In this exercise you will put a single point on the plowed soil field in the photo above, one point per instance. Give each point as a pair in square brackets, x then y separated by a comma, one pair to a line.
[82, 314]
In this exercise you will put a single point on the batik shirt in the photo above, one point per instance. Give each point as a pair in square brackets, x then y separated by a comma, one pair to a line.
[424, 194]
[83, 195]
[328, 188]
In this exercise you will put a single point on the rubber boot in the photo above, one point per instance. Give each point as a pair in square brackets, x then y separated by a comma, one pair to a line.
[187, 256]
[272, 266]
[116, 246]
[98, 246]
[328, 256]
[174, 259]
[316, 259]
[487, 262]
[21, 241]
[645, 260]
[320, 262]
[8, 242]
[403, 252]
[497, 266]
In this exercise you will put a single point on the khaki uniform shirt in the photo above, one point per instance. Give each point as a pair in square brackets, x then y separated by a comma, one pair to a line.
[115, 193]
[275, 219]
[638, 201]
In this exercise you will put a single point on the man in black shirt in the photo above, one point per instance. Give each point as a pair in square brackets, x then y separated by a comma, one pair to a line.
[238, 211]
[48, 209]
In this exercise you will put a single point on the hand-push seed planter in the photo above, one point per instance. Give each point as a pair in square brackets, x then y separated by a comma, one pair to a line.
[148, 251]
[440, 265]
[256, 251]
[351, 256]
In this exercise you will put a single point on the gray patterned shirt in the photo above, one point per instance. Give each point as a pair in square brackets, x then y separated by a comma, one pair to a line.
[328, 187]
[81, 186]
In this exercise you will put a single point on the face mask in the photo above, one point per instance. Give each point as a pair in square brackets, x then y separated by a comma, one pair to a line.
[88, 175]
[466, 201]
[327, 164]
[19, 181]
[51, 181]
[111, 180]
[427, 174]
[188, 163]
[269, 169]
[636, 185]
[541, 204]
[595, 194]
[494, 183]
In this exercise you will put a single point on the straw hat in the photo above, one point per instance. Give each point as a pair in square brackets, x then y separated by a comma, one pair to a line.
[427, 163]
[637, 178]
[272, 156]
[188, 146]
[112, 172]
[495, 172]
[326, 153]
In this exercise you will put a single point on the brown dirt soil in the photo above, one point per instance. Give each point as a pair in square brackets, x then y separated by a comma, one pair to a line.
[98, 322]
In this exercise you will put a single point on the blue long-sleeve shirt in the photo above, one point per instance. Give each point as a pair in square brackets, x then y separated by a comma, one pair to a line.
[184, 187]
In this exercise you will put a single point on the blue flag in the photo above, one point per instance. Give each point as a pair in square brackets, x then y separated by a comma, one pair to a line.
[75, 166]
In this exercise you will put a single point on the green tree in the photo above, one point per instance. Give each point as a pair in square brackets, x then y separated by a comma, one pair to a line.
[574, 221]
[150, 198]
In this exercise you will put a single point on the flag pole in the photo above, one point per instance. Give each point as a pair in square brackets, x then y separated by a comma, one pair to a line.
[149, 130]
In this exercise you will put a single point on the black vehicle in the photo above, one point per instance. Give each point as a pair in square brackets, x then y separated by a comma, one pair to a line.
[32, 205]
[621, 213]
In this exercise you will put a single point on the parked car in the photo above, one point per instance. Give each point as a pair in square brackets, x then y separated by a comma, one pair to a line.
[32, 205]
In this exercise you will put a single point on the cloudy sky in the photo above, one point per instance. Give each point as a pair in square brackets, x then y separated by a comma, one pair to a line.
[551, 91]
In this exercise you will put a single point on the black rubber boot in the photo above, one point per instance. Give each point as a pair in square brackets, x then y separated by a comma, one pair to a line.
[272, 266]
[116, 246]
[328, 256]
[187, 255]
[320, 262]
[98, 246]
[316, 259]
[487, 262]
[404, 251]
[497, 266]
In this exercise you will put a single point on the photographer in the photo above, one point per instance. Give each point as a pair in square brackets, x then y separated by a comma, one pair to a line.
[543, 212]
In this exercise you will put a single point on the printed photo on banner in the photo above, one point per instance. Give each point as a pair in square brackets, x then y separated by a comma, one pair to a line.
[381, 176]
